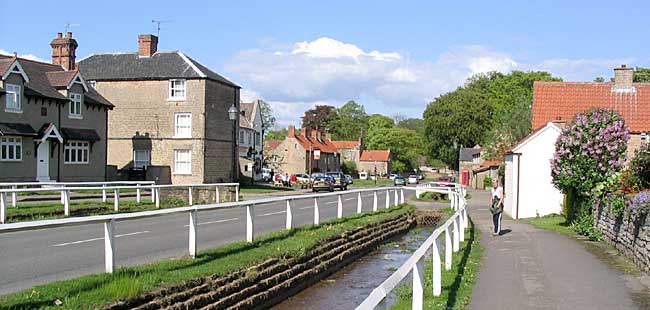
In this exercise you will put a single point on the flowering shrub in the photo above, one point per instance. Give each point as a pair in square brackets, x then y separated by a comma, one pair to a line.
[641, 203]
[641, 165]
[589, 150]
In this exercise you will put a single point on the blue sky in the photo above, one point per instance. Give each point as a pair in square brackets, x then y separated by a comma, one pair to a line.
[391, 56]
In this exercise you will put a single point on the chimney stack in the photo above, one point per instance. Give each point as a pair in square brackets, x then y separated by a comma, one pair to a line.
[64, 51]
[328, 136]
[314, 133]
[623, 77]
[291, 132]
[147, 45]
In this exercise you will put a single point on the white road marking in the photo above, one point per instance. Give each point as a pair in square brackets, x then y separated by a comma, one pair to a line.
[331, 202]
[217, 221]
[346, 199]
[272, 213]
[308, 207]
[102, 238]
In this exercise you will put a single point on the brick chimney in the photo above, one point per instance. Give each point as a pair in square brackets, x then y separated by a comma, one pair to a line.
[623, 77]
[314, 133]
[147, 45]
[328, 136]
[291, 131]
[64, 51]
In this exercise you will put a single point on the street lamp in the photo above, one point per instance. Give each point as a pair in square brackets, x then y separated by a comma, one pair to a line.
[232, 115]
[232, 112]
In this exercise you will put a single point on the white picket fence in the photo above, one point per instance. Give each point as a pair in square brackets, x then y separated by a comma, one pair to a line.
[394, 196]
[454, 233]
[66, 188]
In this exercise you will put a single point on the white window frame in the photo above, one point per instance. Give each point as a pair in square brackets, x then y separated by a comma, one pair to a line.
[11, 143]
[180, 129]
[173, 89]
[141, 163]
[241, 137]
[13, 91]
[182, 165]
[75, 105]
[76, 153]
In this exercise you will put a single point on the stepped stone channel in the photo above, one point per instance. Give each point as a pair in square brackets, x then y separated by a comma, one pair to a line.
[274, 280]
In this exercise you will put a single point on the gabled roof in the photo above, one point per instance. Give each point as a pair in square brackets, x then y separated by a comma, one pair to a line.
[375, 155]
[548, 126]
[467, 153]
[159, 66]
[345, 144]
[45, 78]
[320, 144]
[246, 120]
[271, 145]
[563, 100]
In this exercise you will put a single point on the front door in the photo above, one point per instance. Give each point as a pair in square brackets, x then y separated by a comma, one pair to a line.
[43, 161]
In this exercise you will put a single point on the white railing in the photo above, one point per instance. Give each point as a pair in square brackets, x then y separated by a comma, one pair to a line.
[454, 231]
[139, 187]
[420, 188]
[109, 220]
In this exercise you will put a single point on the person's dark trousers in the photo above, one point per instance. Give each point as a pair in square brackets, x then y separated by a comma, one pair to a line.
[496, 220]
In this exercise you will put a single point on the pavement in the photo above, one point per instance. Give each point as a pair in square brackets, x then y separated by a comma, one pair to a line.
[531, 268]
[36, 257]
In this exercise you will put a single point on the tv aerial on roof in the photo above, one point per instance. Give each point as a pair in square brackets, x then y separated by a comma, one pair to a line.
[158, 22]
[69, 25]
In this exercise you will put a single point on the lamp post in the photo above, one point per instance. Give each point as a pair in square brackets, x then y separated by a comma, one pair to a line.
[232, 115]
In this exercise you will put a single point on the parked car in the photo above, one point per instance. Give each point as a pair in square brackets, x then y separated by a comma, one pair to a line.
[301, 178]
[322, 183]
[348, 178]
[399, 181]
[316, 175]
[392, 176]
[421, 176]
[385, 176]
[413, 179]
[266, 174]
[339, 180]
[373, 176]
[363, 175]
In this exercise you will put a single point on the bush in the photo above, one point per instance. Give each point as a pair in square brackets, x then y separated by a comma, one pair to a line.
[584, 225]
[641, 165]
[641, 203]
[487, 182]
[349, 167]
[433, 196]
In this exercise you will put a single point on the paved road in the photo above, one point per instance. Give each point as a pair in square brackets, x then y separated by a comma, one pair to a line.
[530, 268]
[37, 257]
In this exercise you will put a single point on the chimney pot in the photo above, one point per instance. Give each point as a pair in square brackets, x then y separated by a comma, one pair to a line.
[68, 35]
[623, 78]
[59, 35]
[291, 131]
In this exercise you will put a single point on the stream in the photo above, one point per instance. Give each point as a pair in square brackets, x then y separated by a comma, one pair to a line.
[348, 287]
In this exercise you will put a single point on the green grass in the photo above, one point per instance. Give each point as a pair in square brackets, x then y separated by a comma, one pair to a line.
[261, 189]
[371, 183]
[432, 197]
[457, 283]
[83, 191]
[42, 211]
[95, 291]
[553, 222]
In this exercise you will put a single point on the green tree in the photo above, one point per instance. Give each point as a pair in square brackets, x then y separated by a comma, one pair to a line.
[349, 122]
[404, 145]
[416, 124]
[641, 74]
[278, 134]
[599, 79]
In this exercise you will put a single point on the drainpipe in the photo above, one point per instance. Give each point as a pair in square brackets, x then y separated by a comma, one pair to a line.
[58, 162]
[518, 181]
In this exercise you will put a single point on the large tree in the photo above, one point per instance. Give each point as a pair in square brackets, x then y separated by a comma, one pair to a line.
[274, 134]
[349, 122]
[641, 74]
[318, 118]
[268, 120]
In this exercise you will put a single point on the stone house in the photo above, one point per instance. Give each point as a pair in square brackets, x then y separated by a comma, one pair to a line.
[349, 150]
[251, 139]
[302, 153]
[375, 159]
[171, 115]
[52, 124]
[469, 159]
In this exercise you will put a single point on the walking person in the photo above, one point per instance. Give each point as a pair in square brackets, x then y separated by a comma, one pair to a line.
[496, 206]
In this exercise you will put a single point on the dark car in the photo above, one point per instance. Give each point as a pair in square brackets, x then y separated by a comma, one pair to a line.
[339, 180]
[322, 183]
[399, 181]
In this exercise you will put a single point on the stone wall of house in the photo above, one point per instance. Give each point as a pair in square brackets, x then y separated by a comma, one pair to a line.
[629, 234]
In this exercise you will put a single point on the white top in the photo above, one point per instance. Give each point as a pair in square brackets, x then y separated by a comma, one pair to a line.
[497, 192]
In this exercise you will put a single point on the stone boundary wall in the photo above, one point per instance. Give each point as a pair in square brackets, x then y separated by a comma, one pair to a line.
[200, 195]
[629, 234]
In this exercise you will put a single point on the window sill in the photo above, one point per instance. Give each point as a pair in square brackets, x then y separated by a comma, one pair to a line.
[13, 111]
[11, 160]
[182, 173]
[75, 116]
[176, 99]
[75, 163]
[182, 137]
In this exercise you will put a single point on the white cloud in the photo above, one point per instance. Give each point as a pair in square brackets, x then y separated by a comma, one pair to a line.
[295, 77]
[26, 56]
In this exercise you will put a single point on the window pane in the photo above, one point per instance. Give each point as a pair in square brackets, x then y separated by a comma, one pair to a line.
[85, 155]
[19, 152]
[11, 152]
[67, 155]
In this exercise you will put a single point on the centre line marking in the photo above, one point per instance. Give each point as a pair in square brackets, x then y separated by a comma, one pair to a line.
[102, 238]
[308, 207]
[213, 222]
[272, 213]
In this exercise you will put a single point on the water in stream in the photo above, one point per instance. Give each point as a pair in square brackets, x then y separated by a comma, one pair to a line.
[347, 288]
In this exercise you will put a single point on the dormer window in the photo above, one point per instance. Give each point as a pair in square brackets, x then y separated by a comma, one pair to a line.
[13, 100]
[75, 105]
[177, 90]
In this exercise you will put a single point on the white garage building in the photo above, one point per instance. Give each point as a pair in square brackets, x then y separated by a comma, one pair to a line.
[529, 191]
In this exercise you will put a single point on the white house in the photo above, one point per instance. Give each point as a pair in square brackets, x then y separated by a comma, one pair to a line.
[250, 138]
[529, 191]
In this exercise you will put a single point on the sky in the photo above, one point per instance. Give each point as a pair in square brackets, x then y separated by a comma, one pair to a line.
[393, 57]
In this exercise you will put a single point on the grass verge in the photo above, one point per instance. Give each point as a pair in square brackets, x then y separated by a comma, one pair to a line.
[457, 283]
[44, 211]
[262, 189]
[371, 183]
[95, 291]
